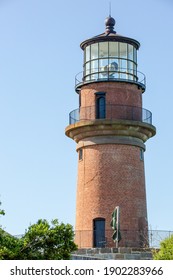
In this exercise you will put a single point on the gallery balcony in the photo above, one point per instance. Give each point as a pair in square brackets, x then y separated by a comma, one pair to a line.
[108, 73]
[111, 112]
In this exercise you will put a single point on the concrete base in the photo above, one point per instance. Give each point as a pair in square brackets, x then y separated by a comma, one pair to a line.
[112, 254]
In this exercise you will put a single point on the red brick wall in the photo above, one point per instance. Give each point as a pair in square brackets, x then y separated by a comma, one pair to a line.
[116, 93]
[110, 175]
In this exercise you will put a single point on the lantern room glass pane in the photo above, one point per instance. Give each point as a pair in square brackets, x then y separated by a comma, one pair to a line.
[113, 67]
[103, 68]
[134, 55]
[103, 49]
[123, 50]
[114, 61]
[87, 68]
[87, 71]
[94, 66]
[87, 53]
[130, 69]
[94, 77]
[130, 52]
[123, 68]
[135, 72]
[113, 49]
[94, 51]
[123, 64]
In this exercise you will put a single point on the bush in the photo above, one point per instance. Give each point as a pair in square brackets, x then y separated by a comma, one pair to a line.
[166, 250]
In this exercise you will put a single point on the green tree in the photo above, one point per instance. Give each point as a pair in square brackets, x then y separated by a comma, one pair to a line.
[7, 242]
[8, 246]
[48, 241]
[41, 241]
[166, 250]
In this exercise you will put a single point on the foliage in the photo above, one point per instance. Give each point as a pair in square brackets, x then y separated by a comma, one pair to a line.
[42, 241]
[1, 211]
[8, 246]
[166, 250]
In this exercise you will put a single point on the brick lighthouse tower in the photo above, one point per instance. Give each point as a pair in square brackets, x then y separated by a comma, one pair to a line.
[110, 128]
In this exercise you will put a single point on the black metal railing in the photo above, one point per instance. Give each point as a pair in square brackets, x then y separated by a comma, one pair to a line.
[143, 239]
[109, 74]
[111, 112]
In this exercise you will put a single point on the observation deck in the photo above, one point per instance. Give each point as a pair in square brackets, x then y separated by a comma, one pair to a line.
[115, 120]
[108, 73]
[111, 112]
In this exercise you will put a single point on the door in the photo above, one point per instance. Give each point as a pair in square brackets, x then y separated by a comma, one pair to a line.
[99, 232]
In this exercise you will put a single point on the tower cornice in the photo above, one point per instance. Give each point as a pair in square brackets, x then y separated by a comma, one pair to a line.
[90, 128]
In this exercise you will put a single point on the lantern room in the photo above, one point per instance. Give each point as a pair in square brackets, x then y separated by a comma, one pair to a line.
[110, 57]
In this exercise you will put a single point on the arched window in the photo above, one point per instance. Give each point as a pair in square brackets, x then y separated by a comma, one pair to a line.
[100, 107]
[99, 232]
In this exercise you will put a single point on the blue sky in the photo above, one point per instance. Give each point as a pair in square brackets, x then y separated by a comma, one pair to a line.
[39, 58]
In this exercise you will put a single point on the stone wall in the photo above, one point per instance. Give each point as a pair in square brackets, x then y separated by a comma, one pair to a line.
[112, 254]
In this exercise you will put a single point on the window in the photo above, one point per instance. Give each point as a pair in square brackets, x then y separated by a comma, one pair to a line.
[80, 154]
[100, 105]
[79, 100]
[141, 154]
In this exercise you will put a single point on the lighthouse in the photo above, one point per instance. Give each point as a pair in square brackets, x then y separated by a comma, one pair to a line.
[110, 128]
